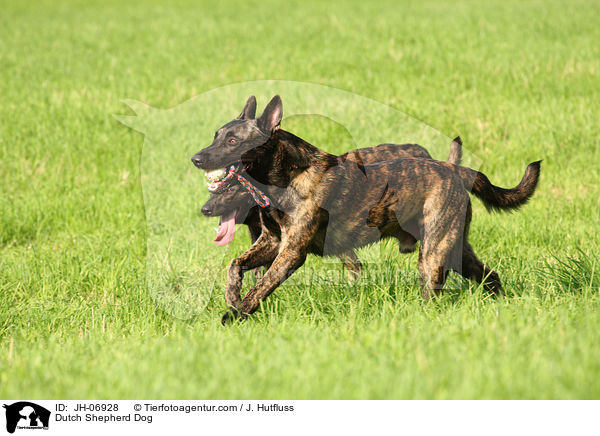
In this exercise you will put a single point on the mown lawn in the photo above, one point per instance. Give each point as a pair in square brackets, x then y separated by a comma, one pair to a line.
[519, 81]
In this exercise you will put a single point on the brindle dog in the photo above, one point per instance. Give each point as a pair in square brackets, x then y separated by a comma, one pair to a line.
[327, 206]
[235, 203]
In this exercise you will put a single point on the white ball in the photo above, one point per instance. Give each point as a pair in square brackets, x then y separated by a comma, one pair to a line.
[216, 175]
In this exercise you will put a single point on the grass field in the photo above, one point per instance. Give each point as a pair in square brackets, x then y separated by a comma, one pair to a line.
[519, 81]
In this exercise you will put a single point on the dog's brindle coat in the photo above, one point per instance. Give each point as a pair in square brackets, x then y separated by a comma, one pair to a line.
[322, 202]
[236, 198]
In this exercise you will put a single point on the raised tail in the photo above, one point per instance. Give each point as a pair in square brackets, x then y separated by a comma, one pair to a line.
[455, 155]
[495, 198]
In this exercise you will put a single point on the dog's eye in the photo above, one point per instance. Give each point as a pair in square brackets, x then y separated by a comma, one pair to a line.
[232, 140]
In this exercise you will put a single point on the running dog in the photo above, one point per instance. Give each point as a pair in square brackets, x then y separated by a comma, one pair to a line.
[235, 205]
[324, 205]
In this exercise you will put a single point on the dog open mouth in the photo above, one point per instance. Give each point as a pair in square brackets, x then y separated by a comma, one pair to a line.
[218, 181]
[227, 222]
[226, 229]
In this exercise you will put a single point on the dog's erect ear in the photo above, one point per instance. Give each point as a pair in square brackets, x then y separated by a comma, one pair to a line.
[271, 117]
[249, 111]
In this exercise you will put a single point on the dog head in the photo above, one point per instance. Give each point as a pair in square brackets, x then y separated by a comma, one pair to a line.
[235, 199]
[232, 206]
[238, 137]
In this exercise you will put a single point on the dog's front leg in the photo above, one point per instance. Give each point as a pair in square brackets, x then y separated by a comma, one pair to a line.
[288, 261]
[262, 252]
[292, 254]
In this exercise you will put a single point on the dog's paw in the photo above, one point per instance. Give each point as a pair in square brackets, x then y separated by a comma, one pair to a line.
[227, 318]
[231, 316]
[407, 248]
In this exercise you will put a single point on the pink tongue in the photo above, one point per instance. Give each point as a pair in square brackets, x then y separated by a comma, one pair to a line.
[226, 230]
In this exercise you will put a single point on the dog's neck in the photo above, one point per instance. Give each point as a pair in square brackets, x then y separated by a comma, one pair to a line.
[283, 157]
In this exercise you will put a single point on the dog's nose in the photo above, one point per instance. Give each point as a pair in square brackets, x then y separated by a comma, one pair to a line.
[206, 211]
[197, 160]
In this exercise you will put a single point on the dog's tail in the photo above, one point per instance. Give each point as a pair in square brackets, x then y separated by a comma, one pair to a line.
[495, 198]
[455, 155]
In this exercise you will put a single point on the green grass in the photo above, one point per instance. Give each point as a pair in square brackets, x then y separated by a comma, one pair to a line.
[519, 81]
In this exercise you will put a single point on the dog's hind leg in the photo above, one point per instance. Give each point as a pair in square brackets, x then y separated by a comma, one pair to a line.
[407, 242]
[433, 273]
[436, 255]
[471, 267]
[442, 241]
[351, 262]
[474, 269]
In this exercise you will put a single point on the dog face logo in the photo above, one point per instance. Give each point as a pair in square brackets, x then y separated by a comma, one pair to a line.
[26, 415]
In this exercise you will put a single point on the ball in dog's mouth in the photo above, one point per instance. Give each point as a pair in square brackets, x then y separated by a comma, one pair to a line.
[215, 178]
